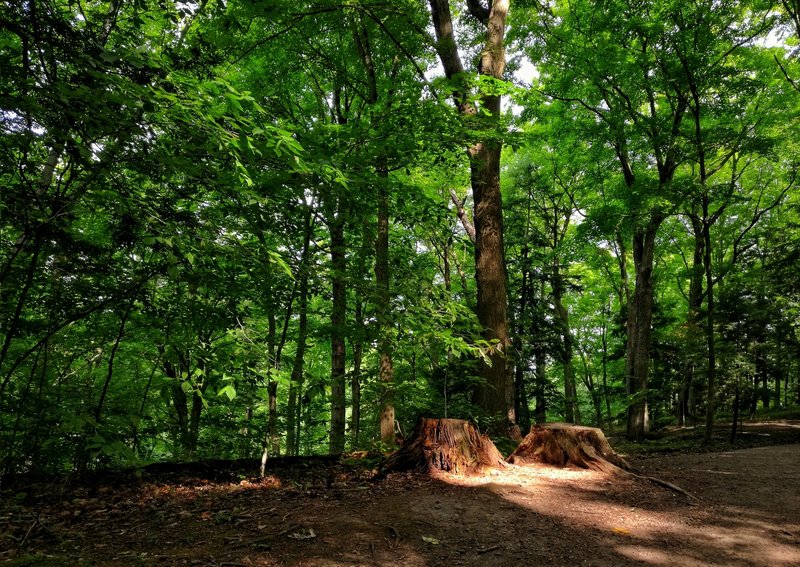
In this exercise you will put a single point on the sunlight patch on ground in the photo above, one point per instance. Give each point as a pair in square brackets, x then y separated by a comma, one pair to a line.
[518, 475]
[652, 556]
[587, 499]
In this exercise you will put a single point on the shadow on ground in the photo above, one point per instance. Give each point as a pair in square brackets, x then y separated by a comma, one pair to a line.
[519, 516]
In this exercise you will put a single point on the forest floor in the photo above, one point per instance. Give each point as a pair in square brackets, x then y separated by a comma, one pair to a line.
[320, 513]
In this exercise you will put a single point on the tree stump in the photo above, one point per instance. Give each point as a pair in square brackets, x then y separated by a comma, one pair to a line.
[563, 444]
[451, 445]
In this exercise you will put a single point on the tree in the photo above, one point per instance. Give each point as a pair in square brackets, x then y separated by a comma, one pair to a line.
[481, 113]
[631, 79]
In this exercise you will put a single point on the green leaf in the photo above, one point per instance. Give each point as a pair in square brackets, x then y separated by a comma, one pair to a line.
[229, 391]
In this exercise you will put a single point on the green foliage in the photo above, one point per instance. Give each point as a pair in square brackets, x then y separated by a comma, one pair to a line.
[161, 164]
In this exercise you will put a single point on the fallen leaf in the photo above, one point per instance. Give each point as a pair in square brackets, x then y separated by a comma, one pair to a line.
[305, 534]
[431, 540]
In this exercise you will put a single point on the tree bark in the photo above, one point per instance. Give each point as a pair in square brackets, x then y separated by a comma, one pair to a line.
[604, 361]
[495, 395]
[338, 313]
[540, 374]
[711, 371]
[383, 295]
[461, 213]
[110, 372]
[640, 318]
[695, 301]
[382, 312]
[566, 351]
[296, 380]
[521, 409]
[355, 380]
[563, 444]
[271, 436]
[451, 445]
[188, 408]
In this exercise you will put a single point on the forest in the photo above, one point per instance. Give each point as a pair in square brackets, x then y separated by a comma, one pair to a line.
[244, 229]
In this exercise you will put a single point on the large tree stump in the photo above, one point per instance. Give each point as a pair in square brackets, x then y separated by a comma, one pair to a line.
[563, 444]
[451, 445]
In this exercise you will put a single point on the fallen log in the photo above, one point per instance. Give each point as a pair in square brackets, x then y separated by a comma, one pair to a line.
[450, 445]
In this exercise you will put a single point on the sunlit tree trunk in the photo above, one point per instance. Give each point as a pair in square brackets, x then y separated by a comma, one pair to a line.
[495, 395]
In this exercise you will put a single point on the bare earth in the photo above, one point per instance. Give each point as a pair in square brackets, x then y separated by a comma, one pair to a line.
[748, 513]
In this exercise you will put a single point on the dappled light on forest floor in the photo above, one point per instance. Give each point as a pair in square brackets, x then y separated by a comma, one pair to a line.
[526, 515]
[649, 525]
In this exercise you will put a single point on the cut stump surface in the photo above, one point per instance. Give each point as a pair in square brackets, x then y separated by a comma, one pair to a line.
[451, 445]
[563, 444]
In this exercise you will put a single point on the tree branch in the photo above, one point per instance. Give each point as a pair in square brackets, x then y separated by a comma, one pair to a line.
[462, 215]
[478, 11]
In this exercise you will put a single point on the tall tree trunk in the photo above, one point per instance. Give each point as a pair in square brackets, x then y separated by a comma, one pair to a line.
[707, 221]
[780, 373]
[382, 315]
[521, 408]
[270, 438]
[10, 441]
[383, 296]
[764, 388]
[143, 404]
[187, 407]
[495, 395]
[540, 373]
[540, 361]
[540, 366]
[521, 402]
[797, 385]
[194, 421]
[296, 379]
[695, 301]
[591, 386]
[338, 313]
[735, 422]
[711, 390]
[640, 302]
[604, 361]
[110, 372]
[640, 318]
[566, 350]
[526, 298]
[355, 379]
[10, 326]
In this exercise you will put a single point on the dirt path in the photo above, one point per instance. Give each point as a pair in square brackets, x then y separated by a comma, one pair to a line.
[749, 514]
